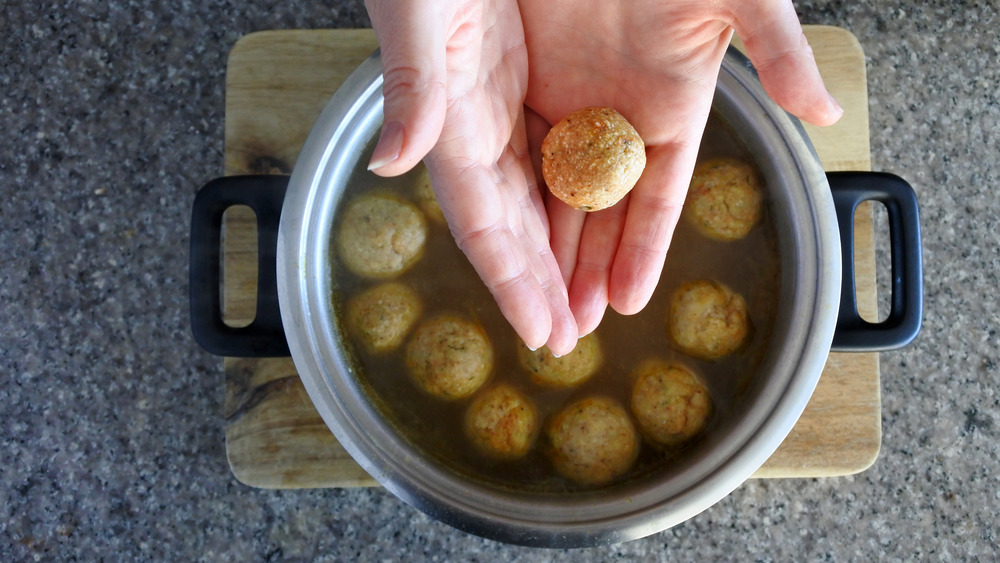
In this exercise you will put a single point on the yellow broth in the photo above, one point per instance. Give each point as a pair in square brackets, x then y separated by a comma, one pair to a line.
[447, 282]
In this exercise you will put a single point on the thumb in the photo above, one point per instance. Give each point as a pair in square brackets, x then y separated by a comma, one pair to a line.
[784, 60]
[412, 38]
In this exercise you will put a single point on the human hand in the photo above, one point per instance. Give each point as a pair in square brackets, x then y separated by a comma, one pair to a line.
[656, 62]
[455, 78]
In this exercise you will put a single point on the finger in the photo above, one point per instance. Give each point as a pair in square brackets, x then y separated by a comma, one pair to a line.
[542, 265]
[565, 229]
[499, 259]
[565, 332]
[495, 223]
[536, 128]
[412, 38]
[599, 241]
[521, 141]
[564, 223]
[654, 207]
[784, 60]
[534, 221]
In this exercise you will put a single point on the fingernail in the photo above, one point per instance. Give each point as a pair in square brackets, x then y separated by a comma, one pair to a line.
[390, 144]
[839, 110]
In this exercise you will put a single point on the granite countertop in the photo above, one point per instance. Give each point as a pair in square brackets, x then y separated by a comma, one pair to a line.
[111, 426]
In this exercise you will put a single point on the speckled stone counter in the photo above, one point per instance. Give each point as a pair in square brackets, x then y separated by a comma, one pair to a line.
[111, 428]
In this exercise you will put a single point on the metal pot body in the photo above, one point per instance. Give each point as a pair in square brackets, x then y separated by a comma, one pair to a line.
[810, 292]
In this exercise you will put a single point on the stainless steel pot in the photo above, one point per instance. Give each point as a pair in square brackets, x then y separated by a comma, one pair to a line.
[816, 311]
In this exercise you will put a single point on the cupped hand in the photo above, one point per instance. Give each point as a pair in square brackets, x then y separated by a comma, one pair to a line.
[455, 79]
[656, 62]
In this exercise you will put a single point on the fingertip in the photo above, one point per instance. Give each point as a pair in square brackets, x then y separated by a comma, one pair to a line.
[813, 105]
[387, 150]
[562, 348]
[831, 114]
[630, 299]
[798, 88]
[629, 304]
[588, 305]
[563, 329]
[780, 51]
[563, 337]
[534, 334]
[632, 285]
[414, 111]
[530, 316]
[589, 319]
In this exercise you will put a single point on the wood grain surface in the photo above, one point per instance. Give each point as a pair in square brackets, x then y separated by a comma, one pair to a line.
[277, 84]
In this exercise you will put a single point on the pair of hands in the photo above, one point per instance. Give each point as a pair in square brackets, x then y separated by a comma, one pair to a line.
[472, 87]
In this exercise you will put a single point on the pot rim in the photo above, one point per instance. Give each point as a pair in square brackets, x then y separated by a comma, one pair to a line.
[620, 513]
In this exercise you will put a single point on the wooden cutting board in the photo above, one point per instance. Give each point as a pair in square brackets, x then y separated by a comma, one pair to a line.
[277, 84]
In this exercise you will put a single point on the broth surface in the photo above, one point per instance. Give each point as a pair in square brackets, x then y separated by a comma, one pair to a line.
[447, 282]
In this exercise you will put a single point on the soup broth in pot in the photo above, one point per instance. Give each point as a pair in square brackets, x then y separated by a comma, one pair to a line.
[445, 284]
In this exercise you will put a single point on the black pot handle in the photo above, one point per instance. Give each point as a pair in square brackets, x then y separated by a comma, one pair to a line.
[265, 336]
[854, 334]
